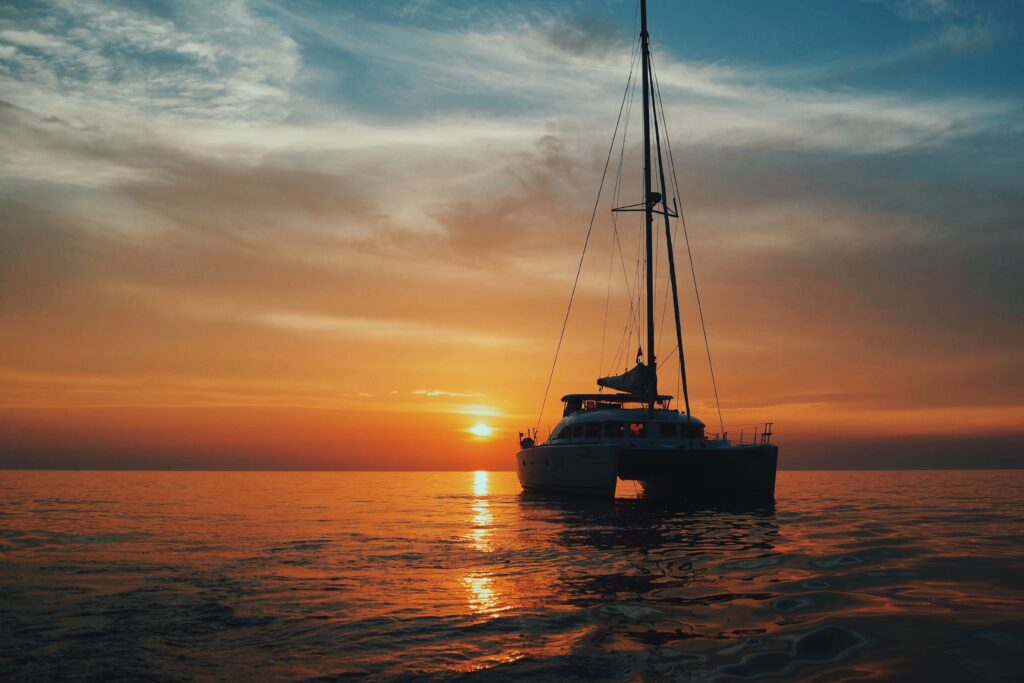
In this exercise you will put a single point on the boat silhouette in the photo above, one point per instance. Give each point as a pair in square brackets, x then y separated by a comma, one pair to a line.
[633, 432]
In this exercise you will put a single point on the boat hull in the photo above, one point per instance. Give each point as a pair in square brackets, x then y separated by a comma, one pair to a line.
[589, 469]
[702, 472]
[675, 471]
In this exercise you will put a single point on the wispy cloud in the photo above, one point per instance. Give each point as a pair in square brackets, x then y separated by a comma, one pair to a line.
[392, 331]
[90, 60]
[432, 393]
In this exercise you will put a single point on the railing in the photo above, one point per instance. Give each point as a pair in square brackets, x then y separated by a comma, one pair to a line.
[759, 434]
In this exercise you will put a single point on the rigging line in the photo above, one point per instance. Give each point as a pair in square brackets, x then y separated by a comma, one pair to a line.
[633, 291]
[655, 255]
[583, 255]
[671, 353]
[632, 321]
[607, 300]
[689, 254]
[615, 224]
[669, 251]
[627, 328]
[665, 292]
[615, 194]
[625, 127]
[630, 315]
[675, 231]
[664, 311]
[641, 264]
[640, 268]
[629, 288]
[664, 301]
[621, 348]
[679, 374]
[604, 324]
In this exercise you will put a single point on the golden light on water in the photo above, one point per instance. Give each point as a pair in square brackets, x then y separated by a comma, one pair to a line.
[480, 483]
[482, 430]
[481, 531]
[482, 519]
[482, 596]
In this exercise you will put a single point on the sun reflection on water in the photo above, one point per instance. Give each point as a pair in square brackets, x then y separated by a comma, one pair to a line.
[480, 483]
[483, 595]
[482, 520]
[482, 517]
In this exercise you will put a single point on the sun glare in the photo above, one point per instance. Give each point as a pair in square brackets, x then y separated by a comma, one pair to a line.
[480, 429]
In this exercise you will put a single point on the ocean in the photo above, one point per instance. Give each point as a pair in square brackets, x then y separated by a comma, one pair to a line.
[880, 576]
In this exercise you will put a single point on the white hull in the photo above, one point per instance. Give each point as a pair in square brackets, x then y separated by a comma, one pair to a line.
[591, 468]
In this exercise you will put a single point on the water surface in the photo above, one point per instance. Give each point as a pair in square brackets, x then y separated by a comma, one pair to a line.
[440, 576]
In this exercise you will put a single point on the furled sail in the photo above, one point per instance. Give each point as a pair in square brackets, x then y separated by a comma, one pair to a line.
[633, 381]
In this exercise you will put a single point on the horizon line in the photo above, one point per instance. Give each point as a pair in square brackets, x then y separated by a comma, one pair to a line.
[410, 471]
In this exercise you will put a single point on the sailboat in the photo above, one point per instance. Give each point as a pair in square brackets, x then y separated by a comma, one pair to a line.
[632, 432]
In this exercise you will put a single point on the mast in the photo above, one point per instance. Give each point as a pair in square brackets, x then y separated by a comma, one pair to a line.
[671, 263]
[652, 382]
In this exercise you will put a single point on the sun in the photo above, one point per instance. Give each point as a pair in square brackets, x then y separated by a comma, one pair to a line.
[480, 429]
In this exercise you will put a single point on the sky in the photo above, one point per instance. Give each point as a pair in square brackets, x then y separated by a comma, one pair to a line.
[337, 235]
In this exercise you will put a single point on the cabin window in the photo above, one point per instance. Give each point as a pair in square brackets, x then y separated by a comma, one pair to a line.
[638, 429]
[560, 433]
[667, 429]
[614, 429]
[593, 429]
[577, 431]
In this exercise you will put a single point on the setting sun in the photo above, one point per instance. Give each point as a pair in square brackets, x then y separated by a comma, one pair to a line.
[480, 429]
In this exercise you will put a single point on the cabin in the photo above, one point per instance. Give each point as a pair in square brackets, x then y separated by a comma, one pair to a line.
[614, 418]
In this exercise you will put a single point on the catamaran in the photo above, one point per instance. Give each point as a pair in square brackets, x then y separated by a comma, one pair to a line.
[633, 432]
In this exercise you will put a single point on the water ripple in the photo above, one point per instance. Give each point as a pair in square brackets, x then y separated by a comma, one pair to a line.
[269, 576]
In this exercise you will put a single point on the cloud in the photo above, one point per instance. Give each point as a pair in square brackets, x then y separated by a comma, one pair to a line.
[974, 37]
[583, 34]
[392, 331]
[432, 393]
[33, 39]
[922, 10]
[131, 65]
[256, 206]
[963, 27]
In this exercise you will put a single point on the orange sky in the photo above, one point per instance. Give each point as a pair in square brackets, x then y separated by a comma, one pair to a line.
[288, 281]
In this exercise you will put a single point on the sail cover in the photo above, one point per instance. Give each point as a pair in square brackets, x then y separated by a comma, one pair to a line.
[633, 381]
